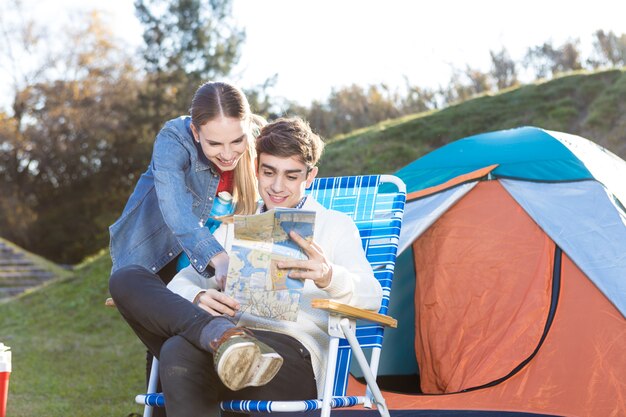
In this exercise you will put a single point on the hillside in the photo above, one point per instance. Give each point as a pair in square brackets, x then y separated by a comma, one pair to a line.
[592, 105]
[20, 270]
[71, 355]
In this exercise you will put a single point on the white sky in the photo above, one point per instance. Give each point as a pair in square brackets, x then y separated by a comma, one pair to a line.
[315, 45]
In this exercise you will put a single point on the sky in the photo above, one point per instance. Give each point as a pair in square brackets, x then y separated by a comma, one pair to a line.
[317, 45]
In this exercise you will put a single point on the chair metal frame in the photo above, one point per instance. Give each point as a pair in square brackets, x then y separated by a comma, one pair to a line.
[378, 213]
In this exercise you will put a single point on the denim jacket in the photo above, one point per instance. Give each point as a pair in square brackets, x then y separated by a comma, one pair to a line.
[166, 212]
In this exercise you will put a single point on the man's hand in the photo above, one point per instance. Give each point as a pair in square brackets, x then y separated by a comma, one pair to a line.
[220, 263]
[316, 268]
[217, 303]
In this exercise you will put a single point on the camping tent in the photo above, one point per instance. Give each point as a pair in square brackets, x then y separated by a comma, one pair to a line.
[511, 291]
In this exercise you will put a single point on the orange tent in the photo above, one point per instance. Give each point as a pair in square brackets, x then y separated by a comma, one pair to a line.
[511, 295]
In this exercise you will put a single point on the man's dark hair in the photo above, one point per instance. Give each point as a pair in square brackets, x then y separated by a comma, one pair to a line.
[288, 137]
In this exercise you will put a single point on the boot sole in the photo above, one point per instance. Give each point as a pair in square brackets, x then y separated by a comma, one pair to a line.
[268, 367]
[242, 365]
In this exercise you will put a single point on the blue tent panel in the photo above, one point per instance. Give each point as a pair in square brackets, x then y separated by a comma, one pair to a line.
[399, 340]
[526, 153]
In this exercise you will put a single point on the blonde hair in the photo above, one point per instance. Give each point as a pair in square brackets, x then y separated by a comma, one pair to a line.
[220, 99]
[245, 193]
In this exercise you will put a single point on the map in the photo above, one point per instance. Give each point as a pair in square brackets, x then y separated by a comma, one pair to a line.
[261, 241]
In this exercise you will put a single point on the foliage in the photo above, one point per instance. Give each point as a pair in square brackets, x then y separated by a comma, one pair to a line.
[504, 70]
[547, 59]
[609, 49]
[261, 101]
[71, 355]
[353, 107]
[83, 122]
[186, 43]
[62, 154]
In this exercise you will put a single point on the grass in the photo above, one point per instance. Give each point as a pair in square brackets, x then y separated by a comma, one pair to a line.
[71, 355]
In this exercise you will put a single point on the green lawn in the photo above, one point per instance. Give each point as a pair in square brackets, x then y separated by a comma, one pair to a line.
[71, 355]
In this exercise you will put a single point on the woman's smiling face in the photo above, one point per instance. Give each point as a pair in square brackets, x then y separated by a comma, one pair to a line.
[223, 141]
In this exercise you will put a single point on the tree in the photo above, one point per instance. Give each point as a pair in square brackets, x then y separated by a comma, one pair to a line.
[353, 107]
[25, 58]
[608, 49]
[569, 57]
[79, 137]
[187, 42]
[26, 55]
[455, 91]
[261, 101]
[15, 214]
[417, 99]
[546, 59]
[72, 148]
[86, 150]
[503, 69]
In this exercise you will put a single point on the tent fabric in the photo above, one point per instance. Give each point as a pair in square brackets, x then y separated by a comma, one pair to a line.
[400, 340]
[586, 330]
[420, 214]
[504, 276]
[524, 153]
[518, 277]
[469, 177]
[606, 167]
[582, 220]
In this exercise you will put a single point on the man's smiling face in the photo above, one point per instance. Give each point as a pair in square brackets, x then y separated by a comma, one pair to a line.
[282, 181]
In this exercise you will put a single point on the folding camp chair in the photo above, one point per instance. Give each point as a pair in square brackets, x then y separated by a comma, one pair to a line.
[376, 204]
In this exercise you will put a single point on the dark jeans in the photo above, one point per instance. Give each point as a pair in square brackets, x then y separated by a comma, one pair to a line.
[166, 322]
[154, 312]
[192, 387]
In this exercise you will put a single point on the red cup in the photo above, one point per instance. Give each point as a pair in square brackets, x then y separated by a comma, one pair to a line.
[4, 392]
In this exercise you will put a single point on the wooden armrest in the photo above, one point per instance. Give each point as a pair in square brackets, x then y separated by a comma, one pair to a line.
[109, 302]
[353, 312]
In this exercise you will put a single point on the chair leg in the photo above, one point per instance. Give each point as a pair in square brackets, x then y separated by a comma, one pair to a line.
[374, 361]
[327, 395]
[152, 385]
[367, 372]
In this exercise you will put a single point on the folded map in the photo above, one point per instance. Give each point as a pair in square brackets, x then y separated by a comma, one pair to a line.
[262, 240]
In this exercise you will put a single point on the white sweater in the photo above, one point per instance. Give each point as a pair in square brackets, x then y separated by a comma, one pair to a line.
[352, 283]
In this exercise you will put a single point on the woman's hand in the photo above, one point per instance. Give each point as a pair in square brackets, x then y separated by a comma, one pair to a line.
[217, 303]
[220, 263]
[316, 268]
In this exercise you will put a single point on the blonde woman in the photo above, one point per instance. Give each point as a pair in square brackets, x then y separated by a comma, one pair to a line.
[194, 158]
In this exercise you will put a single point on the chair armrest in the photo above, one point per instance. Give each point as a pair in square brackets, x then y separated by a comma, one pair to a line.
[109, 302]
[353, 312]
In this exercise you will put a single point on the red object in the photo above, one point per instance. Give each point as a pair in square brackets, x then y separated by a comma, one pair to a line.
[226, 181]
[4, 392]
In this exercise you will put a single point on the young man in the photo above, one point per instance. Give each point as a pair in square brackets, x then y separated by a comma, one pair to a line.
[245, 363]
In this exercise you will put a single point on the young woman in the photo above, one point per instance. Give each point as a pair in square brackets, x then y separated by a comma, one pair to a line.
[194, 158]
